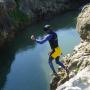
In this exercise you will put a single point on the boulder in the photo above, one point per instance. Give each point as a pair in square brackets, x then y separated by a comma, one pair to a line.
[83, 23]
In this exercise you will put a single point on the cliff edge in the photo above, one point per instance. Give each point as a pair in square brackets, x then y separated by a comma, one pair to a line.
[78, 62]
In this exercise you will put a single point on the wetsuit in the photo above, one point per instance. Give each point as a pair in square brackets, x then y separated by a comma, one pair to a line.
[56, 51]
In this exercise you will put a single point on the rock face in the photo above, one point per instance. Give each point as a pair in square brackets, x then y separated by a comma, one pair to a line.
[48, 8]
[83, 23]
[6, 24]
[79, 61]
[80, 82]
[10, 20]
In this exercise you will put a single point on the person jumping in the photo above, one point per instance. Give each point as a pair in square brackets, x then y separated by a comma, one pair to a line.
[55, 49]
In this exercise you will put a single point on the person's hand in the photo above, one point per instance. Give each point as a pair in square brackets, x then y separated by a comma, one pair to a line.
[33, 37]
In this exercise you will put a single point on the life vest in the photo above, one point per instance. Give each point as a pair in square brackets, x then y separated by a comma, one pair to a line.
[53, 41]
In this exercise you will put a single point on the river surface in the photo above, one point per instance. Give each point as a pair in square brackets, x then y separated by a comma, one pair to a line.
[24, 63]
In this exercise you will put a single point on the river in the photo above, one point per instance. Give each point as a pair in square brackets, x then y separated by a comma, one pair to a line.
[24, 63]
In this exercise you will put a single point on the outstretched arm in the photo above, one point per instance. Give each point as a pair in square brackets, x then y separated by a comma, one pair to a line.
[46, 38]
[41, 41]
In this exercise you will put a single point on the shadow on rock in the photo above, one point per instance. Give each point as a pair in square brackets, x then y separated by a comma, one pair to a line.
[6, 59]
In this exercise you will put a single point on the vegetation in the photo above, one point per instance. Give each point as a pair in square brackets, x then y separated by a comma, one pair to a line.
[19, 16]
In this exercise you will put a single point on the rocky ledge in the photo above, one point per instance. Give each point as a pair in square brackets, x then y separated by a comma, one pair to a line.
[78, 62]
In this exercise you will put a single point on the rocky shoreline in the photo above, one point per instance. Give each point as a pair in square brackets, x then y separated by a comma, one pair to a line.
[78, 62]
[15, 15]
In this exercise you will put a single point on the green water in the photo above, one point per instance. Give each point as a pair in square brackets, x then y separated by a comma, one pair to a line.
[24, 63]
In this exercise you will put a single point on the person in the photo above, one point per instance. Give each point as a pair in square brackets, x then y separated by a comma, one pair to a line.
[55, 49]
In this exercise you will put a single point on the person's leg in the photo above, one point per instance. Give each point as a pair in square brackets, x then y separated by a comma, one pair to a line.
[51, 64]
[59, 63]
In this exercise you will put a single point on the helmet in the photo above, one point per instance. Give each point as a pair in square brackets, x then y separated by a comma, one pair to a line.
[47, 27]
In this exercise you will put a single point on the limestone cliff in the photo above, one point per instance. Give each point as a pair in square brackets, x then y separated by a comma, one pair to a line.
[79, 61]
[10, 20]
[6, 24]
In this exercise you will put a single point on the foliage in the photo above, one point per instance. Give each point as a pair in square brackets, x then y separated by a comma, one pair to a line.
[18, 16]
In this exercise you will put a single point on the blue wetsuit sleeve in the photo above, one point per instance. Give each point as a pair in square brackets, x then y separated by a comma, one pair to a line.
[46, 38]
